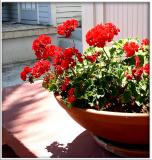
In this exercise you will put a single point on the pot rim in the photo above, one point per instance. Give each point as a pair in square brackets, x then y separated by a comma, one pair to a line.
[108, 113]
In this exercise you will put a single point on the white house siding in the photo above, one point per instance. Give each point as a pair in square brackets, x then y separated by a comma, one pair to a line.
[45, 13]
[65, 10]
[131, 18]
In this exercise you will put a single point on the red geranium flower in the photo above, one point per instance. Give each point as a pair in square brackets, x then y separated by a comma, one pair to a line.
[71, 99]
[71, 92]
[57, 60]
[59, 69]
[63, 87]
[92, 58]
[67, 27]
[67, 81]
[24, 73]
[23, 76]
[133, 71]
[138, 72]
[69, 52]
[52, 51]
[79, 57]
[145, 42]
[146, 68]
[137, 61]
[65, 64]
[65, 84]
[129, 77]
[130, 48]
[40, 68]
[100, 34]
[39, 45]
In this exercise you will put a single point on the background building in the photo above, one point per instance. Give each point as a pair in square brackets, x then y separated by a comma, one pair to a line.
[40, 13]
[23, 22]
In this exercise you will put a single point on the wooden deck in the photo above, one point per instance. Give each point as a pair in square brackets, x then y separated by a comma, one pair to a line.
[8, 152]
[34, 125]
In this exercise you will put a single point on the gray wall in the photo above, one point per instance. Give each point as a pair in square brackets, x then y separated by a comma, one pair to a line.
[19, 49]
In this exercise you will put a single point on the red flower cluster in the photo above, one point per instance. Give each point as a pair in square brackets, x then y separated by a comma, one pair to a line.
[128, 76]
[65, 84]
[136, 73]
[130, 48]
[65, 60]
[137, 61]
[71, 98]
[79, 57]
[100, 34]
[52, 51]
[38, 69]
[146, 68]
[39, 45]
[93, 57]
[138, 70]
[23, 74]
[67, 27]
[145, 42]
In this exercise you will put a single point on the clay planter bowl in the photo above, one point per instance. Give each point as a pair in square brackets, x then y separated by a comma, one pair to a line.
[128, 128]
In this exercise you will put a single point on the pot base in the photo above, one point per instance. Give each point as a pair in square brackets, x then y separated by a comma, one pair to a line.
[123, 150]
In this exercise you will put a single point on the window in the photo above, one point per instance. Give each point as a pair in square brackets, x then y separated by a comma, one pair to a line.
[28, 6]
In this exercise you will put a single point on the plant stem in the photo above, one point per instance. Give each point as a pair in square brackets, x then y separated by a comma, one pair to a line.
[73, 72]
[106, 54]
[74, 55]
[73, 43]
[107, 57]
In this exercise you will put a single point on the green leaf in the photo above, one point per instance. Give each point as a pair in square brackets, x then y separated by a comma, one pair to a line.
[100, 92]
[114, 91]
[144, 87]
[120, 52]
[132, 87]
[126, 97]
[139, 100]
[52, 87]
[112, 50]
[130, 61]
[120, 41]
[70, 105]
[102, 102]
[141, 57]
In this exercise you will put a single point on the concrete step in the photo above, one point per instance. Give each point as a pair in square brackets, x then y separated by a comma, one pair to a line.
[68, 42]
[10, 73]
[77, 34]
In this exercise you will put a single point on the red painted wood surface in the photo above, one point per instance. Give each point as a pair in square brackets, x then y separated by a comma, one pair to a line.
[34, 125]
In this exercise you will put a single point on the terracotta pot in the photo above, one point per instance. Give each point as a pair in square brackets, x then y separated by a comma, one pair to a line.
[129, 128]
